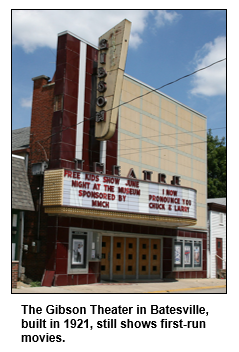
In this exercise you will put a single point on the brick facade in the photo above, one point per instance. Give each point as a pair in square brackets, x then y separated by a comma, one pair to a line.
[15, 265]
[54, 109]
[40, 144]
[41, 119]
[57, 249]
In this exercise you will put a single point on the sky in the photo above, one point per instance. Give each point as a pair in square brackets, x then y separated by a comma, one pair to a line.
[164, 45]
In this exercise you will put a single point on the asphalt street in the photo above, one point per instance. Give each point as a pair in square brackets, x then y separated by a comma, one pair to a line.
[177, 286]
[211, 290]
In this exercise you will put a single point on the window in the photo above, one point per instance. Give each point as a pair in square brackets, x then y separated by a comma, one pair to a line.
[221, 222]
[95, 246]
[14, 220]
[187, 254]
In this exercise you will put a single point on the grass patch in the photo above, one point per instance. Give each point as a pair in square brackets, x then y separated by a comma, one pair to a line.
[35, 284]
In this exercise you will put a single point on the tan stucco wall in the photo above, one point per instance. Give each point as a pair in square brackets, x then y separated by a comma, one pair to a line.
[159, 134]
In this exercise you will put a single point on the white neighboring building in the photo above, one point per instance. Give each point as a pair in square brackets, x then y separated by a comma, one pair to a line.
[216, 236]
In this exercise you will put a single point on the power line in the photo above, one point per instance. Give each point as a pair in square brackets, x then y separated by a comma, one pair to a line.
[153, 90]
[146, 150]
[158, 135]
[155, 148]
[167, 84]
[171, 134]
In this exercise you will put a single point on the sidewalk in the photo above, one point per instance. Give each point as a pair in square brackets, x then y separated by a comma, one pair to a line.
[179, 286]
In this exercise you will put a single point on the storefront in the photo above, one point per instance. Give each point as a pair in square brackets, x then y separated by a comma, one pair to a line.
[139, 207]
[100, 131]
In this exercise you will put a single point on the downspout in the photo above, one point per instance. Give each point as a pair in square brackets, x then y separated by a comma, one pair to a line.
[21, 243]
[210, 245]
[39, 215]
[22, 218]
[211, 242]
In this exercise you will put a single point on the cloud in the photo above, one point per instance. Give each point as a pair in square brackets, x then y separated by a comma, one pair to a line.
[26, 102]
[32, 29]
[163, 17]
[212, 81]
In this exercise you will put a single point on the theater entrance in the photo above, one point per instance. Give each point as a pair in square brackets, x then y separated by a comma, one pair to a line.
[126, 258]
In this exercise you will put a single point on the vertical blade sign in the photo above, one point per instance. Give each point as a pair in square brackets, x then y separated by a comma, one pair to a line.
[113, 46]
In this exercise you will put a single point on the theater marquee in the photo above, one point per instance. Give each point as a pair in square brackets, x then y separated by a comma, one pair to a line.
[95, 194]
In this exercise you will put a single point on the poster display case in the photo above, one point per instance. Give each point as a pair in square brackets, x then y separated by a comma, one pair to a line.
[178, 254]
[197, 254]
[187, 254]
[77, 252]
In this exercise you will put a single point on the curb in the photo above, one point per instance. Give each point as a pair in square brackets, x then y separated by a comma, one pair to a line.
[188, 289]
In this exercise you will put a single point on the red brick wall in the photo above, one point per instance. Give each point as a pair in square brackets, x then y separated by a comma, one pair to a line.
[47, 142]
[41, 120]
[41, 130]
[65, 119]
[66, 86]
[14, 273]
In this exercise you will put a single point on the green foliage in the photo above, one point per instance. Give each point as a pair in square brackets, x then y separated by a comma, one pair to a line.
[216, 167]
[35, 284]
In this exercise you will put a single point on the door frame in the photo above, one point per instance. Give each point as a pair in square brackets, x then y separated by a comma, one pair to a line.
[137, 236]
[220, 261]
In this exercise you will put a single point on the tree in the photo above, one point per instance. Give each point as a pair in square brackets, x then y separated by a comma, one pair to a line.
[216, 167]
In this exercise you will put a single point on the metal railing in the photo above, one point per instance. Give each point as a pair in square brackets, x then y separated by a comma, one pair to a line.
[221, 273]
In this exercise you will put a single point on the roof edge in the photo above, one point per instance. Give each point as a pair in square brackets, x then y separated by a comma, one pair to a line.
[217, 207]
[165, 95]
[76, 36]
[18, 156]
[40, 77]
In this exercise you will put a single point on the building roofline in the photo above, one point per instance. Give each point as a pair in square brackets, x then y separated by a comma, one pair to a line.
[217, 207]
[23, 150]
[40, 77]
[134, 79]
[76, 36]
[165, 95]
[18, 156]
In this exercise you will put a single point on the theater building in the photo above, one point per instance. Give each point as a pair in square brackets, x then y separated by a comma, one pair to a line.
[117, 170]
